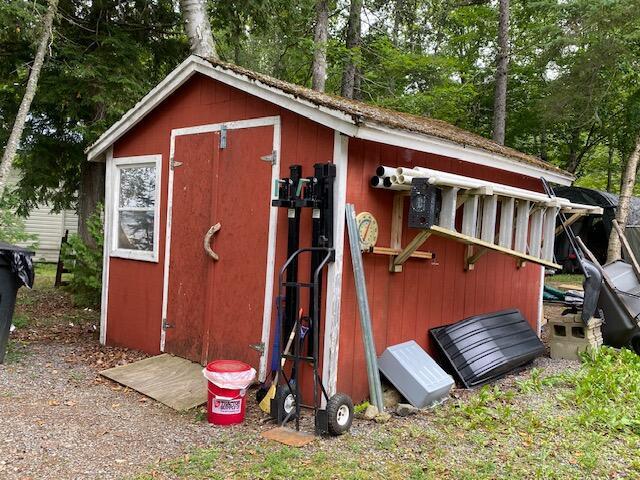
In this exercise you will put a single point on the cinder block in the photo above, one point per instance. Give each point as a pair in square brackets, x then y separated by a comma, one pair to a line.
[569, 336]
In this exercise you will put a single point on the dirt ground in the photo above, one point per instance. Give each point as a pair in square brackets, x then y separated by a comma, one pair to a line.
[60, 420]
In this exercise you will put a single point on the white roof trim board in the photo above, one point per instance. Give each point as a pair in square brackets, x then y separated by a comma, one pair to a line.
[330, 117]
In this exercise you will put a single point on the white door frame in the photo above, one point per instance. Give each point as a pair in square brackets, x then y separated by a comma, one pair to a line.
[273, 220]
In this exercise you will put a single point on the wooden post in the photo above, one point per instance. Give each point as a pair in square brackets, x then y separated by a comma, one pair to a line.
[570, 221]
[396, 229]
[627, 247]
[417, 241]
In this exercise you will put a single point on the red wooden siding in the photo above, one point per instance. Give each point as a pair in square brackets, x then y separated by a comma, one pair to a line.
[135, 287]
[404, 306]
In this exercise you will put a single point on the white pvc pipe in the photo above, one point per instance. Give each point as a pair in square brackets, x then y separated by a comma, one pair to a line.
[383, 171]
[453, 180]
[389, 185]
[377, 182]
[405, 179]
[400, 179]
[407, 171]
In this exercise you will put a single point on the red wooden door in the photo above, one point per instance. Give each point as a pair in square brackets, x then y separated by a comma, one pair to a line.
[243, 206]
[190, 269]
[215, 308]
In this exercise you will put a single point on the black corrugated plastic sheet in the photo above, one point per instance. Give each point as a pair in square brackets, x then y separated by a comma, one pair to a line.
[485, 347]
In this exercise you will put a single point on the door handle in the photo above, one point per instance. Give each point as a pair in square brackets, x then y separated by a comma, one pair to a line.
[207, 241]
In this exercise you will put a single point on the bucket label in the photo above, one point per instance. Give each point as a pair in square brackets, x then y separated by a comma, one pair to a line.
[226, 407]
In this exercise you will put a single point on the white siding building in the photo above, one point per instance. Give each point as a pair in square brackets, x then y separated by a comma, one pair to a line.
[48, 227]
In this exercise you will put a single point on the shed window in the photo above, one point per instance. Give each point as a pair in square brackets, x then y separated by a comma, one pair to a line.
[136, 208]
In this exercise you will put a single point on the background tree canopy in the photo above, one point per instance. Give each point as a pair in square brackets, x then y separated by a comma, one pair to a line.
[573, 91]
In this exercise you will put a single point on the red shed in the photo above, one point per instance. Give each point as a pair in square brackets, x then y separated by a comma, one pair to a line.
[205, 147]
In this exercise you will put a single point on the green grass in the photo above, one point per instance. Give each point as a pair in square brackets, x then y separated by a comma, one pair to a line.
[572, 279]
[46, 304]
[582, 424]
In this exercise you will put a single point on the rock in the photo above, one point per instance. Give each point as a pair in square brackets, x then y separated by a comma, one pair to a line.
[383, 417]
[370, 413]
[405, 409]
[390, 398]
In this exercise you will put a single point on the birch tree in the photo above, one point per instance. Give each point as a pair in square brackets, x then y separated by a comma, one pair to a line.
[32, 85]
[624, 201]
[198, 28]
[354, 33]
[502, 65]
[319, 68]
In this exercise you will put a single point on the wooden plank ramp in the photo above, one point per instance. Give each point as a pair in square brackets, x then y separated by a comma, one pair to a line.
[174, 381]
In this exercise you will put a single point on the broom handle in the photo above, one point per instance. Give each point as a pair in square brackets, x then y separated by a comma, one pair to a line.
[286, 350]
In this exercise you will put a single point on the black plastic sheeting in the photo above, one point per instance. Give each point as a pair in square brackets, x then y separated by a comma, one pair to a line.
[19, 260]
[486, 347]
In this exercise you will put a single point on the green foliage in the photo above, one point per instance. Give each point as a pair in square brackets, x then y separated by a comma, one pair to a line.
[105, 55]
[361, 407]
[607, 389]
[12, 228]
[85, 263]
[574, 72]
[574, 425]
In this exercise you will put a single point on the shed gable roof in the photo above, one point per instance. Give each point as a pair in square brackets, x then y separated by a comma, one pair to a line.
[351, 117]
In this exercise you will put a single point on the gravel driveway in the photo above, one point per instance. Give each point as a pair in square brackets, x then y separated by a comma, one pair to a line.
[60, 420]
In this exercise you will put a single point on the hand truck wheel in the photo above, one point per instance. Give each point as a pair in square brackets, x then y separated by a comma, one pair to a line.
[339, 414]
[286, 403]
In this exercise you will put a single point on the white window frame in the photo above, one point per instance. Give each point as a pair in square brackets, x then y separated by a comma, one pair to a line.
[117, 165]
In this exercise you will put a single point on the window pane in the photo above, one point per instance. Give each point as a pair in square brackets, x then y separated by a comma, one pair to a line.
[137, 186]
[135, 231]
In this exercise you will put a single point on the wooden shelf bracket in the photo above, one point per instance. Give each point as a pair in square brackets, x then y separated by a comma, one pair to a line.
[413, 245]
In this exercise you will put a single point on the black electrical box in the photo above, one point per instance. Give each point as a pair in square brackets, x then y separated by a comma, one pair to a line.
[424, 204]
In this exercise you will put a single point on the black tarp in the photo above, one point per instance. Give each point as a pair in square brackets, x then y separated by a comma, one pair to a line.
[483, 348]
[594, 230]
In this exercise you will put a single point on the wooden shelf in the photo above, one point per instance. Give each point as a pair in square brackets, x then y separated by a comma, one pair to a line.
[459, 237]
[396, 251]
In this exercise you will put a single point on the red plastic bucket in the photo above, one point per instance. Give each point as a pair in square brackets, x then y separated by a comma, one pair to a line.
[226, 406]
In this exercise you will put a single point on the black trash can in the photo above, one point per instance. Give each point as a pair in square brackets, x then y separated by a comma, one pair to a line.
[16, 270]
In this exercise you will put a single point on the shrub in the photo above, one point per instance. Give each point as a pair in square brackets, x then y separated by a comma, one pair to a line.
[12, 229]
[85, 263]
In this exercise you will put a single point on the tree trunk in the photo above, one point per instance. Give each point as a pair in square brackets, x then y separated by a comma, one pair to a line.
[573, 159]
[397, 21]
[198, 28]
[354, 29]
[91, 192]
[502, 65]
[622, 213]
[32, 85]
[610, 167]
[319, 69]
